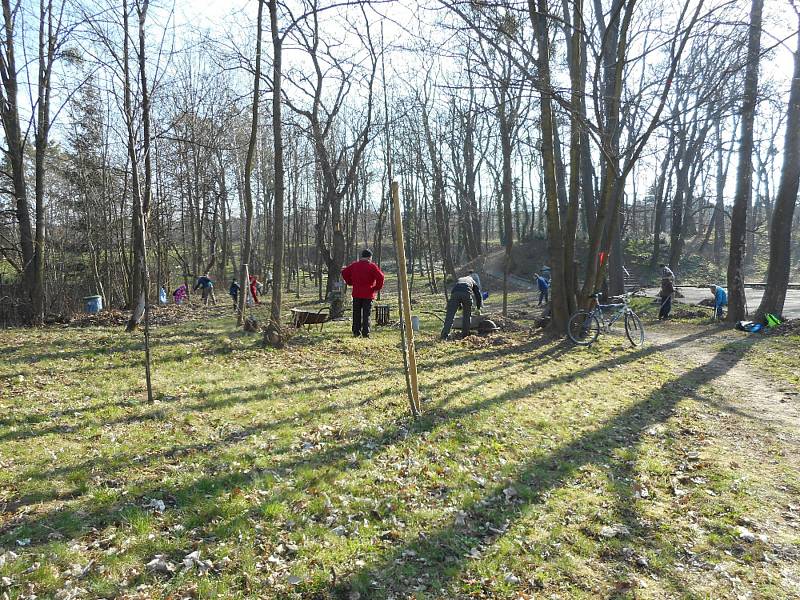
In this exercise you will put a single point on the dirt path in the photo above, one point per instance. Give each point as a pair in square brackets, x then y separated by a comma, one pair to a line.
[741, 389]
[747, 425]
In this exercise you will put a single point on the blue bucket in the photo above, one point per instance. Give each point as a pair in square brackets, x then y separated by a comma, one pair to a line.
[94, 304]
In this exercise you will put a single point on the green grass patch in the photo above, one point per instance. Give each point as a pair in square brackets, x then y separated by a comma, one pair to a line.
[536, 469]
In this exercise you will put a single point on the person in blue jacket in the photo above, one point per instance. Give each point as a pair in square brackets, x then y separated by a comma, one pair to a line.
[720, 300]
[544, 288]
[205, 283]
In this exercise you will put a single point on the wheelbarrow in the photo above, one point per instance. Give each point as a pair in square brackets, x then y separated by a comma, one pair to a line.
[301, 316]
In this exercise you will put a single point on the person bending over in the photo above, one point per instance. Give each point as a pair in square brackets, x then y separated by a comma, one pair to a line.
[544, 288]
[720, 300]
[204, 282]
[461, 296]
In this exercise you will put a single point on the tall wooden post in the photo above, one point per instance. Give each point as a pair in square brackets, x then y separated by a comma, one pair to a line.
[244, 290]
[413, 392]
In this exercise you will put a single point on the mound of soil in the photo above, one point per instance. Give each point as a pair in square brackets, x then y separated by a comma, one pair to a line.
[788, 327]
[505, 323]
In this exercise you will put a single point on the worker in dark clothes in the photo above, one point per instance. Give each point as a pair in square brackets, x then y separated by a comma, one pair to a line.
[366, 279]
[463, 293]
[204, 282]
[234, 292]
[666, 294]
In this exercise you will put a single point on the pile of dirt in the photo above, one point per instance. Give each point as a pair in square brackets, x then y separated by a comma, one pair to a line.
[106, 318]
[788, 327]
[505, 323]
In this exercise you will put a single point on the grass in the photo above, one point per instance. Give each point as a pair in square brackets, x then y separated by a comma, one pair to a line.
[299, 474]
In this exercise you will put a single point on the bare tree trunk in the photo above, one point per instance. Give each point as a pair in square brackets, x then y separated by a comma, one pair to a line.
[606, 225]
[660, 202]
[505, 145]
[578, 85]
[559, 304]
[247, 237]
[440, 214]
[273, 328]
[32, 241]
[223, 207]
[744, 178]
[785, 202]
[681, 188]
[47, 48]
[138, 242]
[719, 206]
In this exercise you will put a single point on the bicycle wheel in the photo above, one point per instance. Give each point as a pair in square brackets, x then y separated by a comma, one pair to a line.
[583, 328]
[634, 329]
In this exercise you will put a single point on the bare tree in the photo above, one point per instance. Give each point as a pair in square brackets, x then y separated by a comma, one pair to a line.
[273, 329]
[52, 34]
[141, 194]
[337, 162]
[247, 238]
[786, 200]
[744, 178]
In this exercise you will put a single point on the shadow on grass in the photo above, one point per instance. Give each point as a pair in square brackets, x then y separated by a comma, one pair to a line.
[444, 546]
[442, 552]
[334, 460]
[244, 394]
[318, 384]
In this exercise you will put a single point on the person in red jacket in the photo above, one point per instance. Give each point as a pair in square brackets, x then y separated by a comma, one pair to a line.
[366, 279]
[254, 289]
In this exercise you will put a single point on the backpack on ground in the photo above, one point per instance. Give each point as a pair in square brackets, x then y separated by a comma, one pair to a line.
[749, 326]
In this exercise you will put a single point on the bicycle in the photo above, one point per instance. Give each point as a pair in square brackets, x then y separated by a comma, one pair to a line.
[583, 327]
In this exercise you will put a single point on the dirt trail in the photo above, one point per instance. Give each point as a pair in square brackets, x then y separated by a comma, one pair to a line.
[741, 388]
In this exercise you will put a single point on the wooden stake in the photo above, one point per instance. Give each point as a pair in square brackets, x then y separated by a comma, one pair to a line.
[244, 291]
[406, 302]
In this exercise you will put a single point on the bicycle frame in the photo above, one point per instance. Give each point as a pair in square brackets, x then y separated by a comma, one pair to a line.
[585, 325]
[622, 309]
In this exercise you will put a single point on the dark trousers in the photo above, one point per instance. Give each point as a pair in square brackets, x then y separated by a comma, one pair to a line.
[458, 300]
[208, 293]
[543, 295]
[666, 307]
[362, 308]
